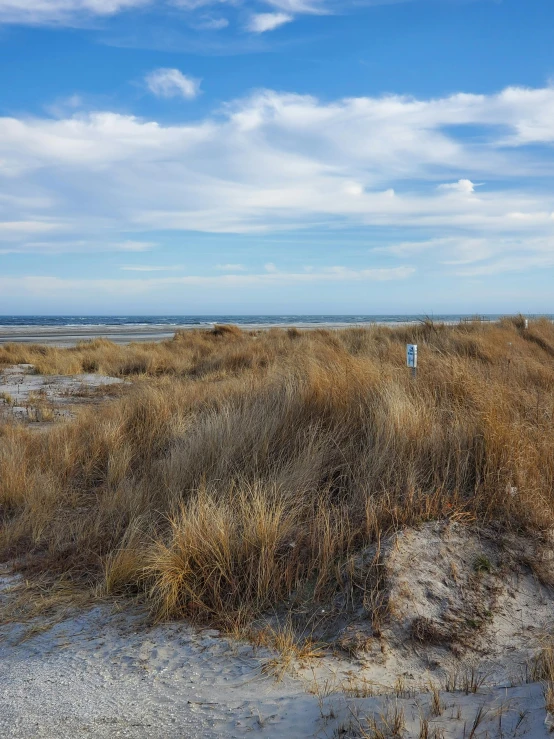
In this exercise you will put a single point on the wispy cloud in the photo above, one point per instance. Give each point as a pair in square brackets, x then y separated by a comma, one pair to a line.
[231, 267]
[65, 12]
[473, 256]
[75, 12]
[79, 12]
[196, 4]
[169, 83]
[138, 246]
[47, 285]
[510, 263]
[462, 186]
[262, 22]
[28, 228]
[150, 268]
[211, 24]
[63, 245]
[296, 7]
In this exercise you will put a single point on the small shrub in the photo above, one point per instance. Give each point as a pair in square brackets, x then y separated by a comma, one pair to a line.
[482, 564]
[425, 631]
[90, 365]
[541, 668]
[227, 330]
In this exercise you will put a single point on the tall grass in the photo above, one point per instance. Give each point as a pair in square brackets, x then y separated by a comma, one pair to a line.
[244, 470]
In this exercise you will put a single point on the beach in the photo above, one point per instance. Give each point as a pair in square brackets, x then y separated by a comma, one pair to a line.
[63, 336]
[105, 670]
[277, 532]
[68, 331]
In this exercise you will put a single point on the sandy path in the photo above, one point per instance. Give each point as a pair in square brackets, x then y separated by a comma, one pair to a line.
[103, 675]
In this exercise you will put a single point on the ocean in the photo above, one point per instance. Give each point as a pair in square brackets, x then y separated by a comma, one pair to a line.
[206, 321]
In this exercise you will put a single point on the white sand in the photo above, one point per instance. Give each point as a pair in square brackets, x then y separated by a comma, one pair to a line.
[20, 383]
[64, 336]
[100, 674]
[103, 673]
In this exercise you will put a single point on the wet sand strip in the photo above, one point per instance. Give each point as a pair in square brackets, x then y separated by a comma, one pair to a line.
[69, 335]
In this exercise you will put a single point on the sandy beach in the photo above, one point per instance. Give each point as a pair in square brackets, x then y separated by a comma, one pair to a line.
[105, 671]
[64, 336]
[279, 534]
[69, 335]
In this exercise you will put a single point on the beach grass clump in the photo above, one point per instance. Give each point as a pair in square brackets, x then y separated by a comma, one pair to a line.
[244, 470]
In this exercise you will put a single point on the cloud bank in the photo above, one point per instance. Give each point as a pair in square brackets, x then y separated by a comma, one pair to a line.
[274, 162]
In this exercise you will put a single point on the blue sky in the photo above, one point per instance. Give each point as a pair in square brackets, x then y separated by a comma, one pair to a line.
[276, 156]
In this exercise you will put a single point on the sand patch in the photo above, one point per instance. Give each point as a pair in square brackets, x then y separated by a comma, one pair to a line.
[105, 672]
[33, 398]
[451, 595]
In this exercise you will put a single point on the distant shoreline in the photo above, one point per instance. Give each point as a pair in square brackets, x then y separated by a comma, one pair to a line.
[69, 333]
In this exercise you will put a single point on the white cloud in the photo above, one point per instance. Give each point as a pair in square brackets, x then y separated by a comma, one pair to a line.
[231, 267]
[465, 187]
[510, 263]
[301, 6]
[61, 11]
[211, 24]
[71, 12]
[25, 228]
[150, 268]
[262, 22]
[138, 246]
[65, 106]
[169, 83]
[19, 242]
[196, 4]
[473, 256]
[77, 12]
[279, 161]
[450, 249]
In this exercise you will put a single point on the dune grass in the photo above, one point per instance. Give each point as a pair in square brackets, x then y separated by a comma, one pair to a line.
[246, 469]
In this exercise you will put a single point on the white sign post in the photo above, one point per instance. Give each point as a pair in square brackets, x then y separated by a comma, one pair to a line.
[411, 358]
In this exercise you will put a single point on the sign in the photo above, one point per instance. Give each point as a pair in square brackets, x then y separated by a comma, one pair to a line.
[411, 355]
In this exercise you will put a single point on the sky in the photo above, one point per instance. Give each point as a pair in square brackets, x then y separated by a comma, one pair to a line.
[276, 156]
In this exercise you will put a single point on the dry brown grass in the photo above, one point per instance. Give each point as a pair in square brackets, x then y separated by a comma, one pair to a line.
[244, 470]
